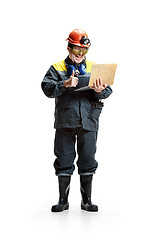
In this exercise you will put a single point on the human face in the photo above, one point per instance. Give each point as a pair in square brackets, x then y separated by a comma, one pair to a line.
[77, 54]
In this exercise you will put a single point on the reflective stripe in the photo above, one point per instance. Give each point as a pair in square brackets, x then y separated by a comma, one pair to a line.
[60, 66]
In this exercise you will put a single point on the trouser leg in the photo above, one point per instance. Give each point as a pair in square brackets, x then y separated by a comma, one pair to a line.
[64, 149]
[86, 148]
[87, 165]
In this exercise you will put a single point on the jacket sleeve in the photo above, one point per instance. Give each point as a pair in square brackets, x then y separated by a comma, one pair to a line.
[52, 85]
[104, 94]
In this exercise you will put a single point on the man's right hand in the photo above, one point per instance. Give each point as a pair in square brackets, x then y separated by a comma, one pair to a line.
[71, 82]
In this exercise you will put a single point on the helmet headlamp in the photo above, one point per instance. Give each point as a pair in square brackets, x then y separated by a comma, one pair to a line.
[85, 41]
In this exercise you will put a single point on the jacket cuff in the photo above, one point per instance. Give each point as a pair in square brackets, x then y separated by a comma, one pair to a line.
[61, 86]
[98, 95]
[104, 94]
[59, 89]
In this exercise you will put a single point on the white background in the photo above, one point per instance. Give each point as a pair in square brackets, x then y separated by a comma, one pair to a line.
[126, 186]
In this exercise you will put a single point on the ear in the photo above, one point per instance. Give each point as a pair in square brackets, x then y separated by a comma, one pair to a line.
[68, 49]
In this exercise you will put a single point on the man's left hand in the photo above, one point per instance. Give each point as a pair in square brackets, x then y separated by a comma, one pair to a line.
[98, 86]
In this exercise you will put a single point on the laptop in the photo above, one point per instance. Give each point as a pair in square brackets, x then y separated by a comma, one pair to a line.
[104, 71]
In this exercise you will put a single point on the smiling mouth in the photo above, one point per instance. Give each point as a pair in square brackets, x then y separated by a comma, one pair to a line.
[78, 56]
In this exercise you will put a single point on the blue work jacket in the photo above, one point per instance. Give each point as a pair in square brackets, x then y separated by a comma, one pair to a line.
[73, 109]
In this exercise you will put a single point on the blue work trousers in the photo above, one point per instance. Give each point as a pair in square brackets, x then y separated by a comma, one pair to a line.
[64, 148]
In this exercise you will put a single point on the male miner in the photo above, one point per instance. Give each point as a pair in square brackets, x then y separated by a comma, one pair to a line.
[76, 118]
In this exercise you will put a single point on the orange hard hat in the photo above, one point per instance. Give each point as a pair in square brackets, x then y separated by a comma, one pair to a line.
[79, 38]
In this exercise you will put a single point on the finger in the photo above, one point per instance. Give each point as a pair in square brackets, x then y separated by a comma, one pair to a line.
[100, 82]
[97, 83]
[75, 81]
[72, 74]
[92, 87]
[105, 85]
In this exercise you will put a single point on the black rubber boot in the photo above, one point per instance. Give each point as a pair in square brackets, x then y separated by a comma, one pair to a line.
[86, 186]
[64, 184]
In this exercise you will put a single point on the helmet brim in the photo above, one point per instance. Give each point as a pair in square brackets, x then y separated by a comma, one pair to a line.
[77, 44]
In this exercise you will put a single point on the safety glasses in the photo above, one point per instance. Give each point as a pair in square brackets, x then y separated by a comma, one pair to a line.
[78, 50]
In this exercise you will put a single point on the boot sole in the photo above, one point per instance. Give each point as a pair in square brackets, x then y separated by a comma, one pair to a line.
[89, 209]
[60, 209]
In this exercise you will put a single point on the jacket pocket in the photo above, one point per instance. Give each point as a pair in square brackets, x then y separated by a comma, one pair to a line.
[64, 113]
[96, 109]
[63, 105]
